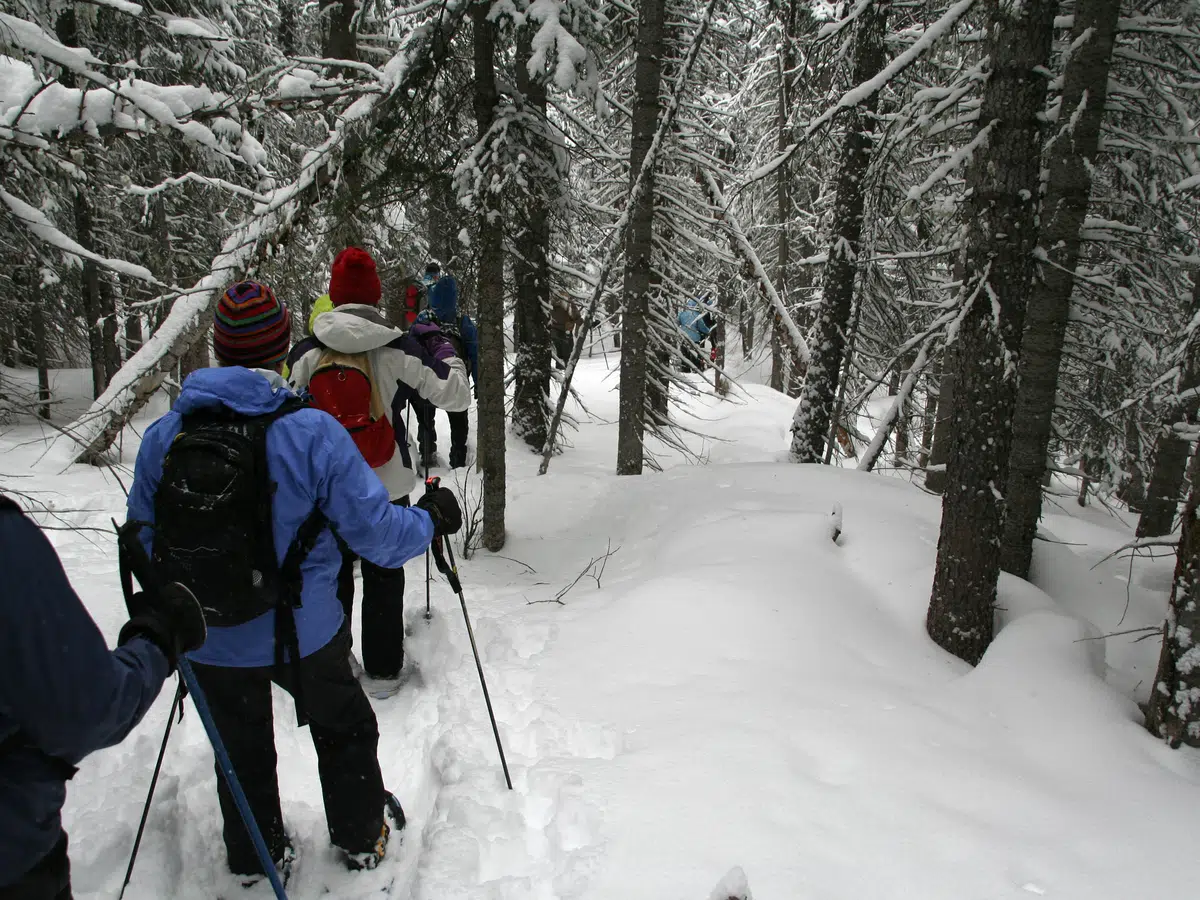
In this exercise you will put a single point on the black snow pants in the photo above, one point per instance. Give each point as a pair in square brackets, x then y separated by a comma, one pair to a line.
[50, 879]
[344, 733]
[382, 611]
[427, 433]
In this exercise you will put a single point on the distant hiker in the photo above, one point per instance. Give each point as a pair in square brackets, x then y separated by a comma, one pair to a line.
[361, 369]
[443, 311]
[242, 486]
[412, 303]
[322, 305]
[564, 319]
[696, 322]
[63, 695]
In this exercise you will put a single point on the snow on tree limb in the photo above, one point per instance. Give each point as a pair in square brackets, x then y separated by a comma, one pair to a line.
[861, 92]
[871, 454]
[268, 223]
[799, 344]
[36, 223]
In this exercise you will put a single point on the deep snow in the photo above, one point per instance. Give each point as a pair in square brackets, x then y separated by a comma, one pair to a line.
[739, 691]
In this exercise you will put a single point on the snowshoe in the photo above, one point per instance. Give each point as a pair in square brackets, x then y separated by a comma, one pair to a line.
[393, 812]
[283, 866]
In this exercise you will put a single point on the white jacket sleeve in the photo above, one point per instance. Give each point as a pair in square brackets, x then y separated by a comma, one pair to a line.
[302, 369]
[444, 383]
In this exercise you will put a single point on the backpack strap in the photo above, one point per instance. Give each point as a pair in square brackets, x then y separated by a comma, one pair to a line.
[291, 582]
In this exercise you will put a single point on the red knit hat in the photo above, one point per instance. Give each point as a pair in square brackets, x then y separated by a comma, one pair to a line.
[251, 327]
[354, 279]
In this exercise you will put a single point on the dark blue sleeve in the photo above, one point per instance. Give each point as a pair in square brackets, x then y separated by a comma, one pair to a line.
[59, 682]
[470, 336]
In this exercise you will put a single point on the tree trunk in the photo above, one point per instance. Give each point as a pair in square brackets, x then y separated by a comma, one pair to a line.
[109, 328]
[639, 240]
[491, 435]
[1133, 488]
[903, 414]
[778, 365]
[531, 268]
[1170, 449]
[287, 31]
[720, 382]
[928, 423]
[442, 214]
[939, 452]
[66, 29]
[1173, 712]
[90, 283]
[133, 332]
[746, 325]
[37, 328]
[1001, 232]
[1068, 190]
[341, 35]
[814, 412]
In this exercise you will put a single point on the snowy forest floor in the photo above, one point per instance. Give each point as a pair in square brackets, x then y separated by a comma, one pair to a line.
[738, 691]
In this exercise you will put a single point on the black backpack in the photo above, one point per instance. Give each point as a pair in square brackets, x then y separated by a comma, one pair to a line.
[214, 530]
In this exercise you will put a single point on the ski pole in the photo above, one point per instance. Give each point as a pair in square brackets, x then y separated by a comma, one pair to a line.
[425, 459]
[135, 562]
[231, 779]
[137, 841]
[442, 550]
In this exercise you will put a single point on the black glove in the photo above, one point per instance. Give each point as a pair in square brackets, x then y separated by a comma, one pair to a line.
[442, 506]
[172, 620]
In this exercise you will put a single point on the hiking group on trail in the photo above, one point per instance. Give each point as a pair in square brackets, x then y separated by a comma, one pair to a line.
[251, 500]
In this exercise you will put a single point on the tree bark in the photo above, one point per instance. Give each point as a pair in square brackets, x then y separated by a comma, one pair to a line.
[37, 330]
[133, 332]
[639, 240]
[442, 210]
[928, 423]
[1173, 712]
[341, 36]
[815, 410]
[90, 285]
[1170, 449]
[939, 452]
[720, 382]
[1068, 191]
[904, 414]
[1133, 488]
[490, 293]
[1001, 232]
[109, 328]
[531, 268]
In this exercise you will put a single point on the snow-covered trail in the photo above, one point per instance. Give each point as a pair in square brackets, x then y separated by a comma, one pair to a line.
[737, 691]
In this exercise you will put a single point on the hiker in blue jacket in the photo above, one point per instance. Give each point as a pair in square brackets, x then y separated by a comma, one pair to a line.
[443, 310]
[696, 323]
[63, 695]
[312, 461]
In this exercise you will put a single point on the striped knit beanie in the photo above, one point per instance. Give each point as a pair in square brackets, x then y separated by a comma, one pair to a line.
[251, 327]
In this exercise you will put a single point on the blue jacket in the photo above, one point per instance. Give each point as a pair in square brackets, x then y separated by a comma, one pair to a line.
[312, 460]
[443, 303]
[695, 321]
[63, 693]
